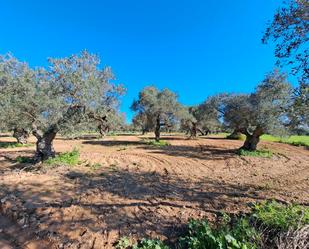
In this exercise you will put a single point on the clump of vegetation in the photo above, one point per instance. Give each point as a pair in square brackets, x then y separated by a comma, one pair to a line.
[125, 242]
[239, 235]
[160, 143]
[67, 158]
[255, 153]
[6, 145]
[246, 232]
[281, 217]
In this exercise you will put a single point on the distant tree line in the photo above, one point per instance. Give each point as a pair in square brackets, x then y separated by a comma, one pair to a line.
[75, 94]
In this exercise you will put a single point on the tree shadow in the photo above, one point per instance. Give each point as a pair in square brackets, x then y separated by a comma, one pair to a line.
[114, 142]
[114, 203]
[203, 152]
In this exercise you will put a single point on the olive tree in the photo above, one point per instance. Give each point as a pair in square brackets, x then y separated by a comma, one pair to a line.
[157, 108]
[289, 30]
[70, 91]
[16, 80]
[203, 118]
[142, 121]
[263, 111]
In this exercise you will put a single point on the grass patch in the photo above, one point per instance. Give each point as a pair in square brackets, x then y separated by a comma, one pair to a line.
[256, 153]
[293, 140]
[6, 145]
[281, 217]
[160, 143]
[67, 158]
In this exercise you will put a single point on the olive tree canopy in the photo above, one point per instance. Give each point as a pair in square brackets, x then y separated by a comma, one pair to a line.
[17, 82]
[70, 91]
[263, 111]
[289, 30]
[157, 108]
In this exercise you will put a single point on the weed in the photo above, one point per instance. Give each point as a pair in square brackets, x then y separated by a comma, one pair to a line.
[201, 235]
[68, 158]
[256, 153]
[150, 244]
[281, 217]
[125, 242]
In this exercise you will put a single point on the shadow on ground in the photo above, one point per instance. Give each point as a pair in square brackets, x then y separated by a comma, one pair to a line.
[106, 205]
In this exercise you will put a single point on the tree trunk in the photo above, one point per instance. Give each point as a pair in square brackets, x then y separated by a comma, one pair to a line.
[157, 129]
[193, 130]
[103, 130]
[44, 146]
[21, 135]
[234, 135]
[252, 140]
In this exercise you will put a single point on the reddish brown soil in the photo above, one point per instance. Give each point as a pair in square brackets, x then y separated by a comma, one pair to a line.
[140, 190]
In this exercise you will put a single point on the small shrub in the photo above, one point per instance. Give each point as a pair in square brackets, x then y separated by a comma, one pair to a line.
[68, 158]
[125, 242]
[281, 217]
[256, 153]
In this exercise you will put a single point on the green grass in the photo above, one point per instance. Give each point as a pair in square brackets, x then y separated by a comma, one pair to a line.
[160, 143]
[293, 140]
[256, 153]
[6, 145]
[67, 158]
[281, 217]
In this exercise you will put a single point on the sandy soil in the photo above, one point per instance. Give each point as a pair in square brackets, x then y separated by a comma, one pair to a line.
[139, 190]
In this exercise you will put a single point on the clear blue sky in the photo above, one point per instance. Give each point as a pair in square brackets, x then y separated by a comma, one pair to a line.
[194, 47]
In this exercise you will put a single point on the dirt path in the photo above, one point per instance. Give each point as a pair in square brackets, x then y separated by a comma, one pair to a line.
[132, 189]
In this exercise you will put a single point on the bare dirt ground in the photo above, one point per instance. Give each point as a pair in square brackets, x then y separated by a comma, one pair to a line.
[139, 190]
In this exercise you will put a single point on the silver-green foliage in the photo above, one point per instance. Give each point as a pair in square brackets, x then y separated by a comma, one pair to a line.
[68, 92]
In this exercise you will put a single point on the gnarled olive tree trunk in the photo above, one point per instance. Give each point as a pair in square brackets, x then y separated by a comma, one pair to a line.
[103, 129]
[252, 139]
[193, 131]
[44, 145]
[21, 135]
[157, 129]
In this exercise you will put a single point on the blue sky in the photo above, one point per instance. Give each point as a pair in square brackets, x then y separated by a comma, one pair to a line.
[196, 47]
